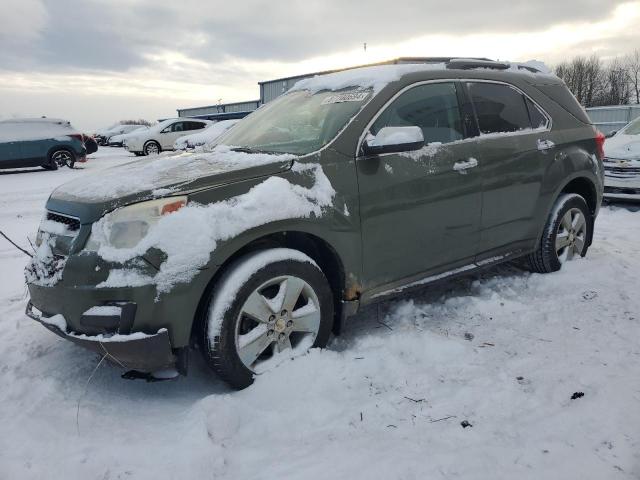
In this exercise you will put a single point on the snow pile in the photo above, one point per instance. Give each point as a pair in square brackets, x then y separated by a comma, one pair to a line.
[375, 78]
[188, 236]
[161, 171]
[205, 137]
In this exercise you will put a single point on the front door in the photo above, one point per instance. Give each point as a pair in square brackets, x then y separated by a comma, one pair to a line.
[420, 211]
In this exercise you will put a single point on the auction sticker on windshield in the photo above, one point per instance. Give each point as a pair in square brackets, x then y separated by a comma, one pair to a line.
[346, 97]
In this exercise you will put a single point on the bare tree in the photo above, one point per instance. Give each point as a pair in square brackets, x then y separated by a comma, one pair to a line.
[141, 121]
[585, 78]
[633, 73]
[615, 85]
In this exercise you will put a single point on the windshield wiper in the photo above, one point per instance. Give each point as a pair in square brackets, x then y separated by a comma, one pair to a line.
[250, 150]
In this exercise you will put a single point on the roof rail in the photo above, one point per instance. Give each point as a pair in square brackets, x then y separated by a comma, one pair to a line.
[471, 63]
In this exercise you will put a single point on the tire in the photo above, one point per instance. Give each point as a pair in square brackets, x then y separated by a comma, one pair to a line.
[567, 233]
[152, 148]
[60, 158]
[265, 283]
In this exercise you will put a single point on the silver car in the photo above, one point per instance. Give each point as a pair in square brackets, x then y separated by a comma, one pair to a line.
[622, 163]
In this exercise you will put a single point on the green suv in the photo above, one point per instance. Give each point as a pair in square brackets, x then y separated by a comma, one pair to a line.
[350, 188]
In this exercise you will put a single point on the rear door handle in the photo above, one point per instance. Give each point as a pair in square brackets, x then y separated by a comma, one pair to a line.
[463, 165]
[544, 145]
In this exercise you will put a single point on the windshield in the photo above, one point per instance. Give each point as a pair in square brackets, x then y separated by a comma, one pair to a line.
[299, 122]
[633, 128]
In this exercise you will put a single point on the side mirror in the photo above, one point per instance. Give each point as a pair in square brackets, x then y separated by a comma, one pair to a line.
[611, 134]
[393, 140]
[166, 130]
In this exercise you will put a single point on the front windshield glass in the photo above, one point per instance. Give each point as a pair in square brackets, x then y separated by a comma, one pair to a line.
[299, 122]
[633, 128]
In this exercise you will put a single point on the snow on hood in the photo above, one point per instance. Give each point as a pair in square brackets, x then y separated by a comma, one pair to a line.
[190, 235]
[623, 147]
[161, 171]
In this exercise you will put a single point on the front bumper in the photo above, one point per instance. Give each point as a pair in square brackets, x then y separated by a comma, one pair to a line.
[144, 353]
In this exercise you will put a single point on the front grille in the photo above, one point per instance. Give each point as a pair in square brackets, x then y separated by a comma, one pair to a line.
[72, 224]
[622, 190]
[622, 170]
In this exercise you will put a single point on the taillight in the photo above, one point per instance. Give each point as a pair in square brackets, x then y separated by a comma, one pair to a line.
[600, 139]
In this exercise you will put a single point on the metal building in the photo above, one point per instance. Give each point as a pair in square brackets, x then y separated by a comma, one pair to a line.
[613, 118]
[225, 111]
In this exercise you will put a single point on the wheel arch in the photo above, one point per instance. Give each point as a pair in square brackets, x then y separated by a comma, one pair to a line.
[584, 187]
[320, 250]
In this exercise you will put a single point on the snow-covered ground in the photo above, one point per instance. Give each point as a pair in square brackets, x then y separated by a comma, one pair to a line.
[504, 351]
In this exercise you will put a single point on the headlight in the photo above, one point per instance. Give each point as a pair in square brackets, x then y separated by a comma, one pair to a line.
[127, 226]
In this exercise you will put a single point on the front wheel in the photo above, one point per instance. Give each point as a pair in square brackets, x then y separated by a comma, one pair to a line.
[151, 148]
[270, 306]
[566, 235]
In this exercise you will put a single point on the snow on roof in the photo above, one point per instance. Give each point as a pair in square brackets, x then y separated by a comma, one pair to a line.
[26, 130]
[377, 77]
[35, 120]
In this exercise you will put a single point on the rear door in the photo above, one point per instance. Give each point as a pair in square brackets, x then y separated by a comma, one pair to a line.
[513, 152]
[420, 211]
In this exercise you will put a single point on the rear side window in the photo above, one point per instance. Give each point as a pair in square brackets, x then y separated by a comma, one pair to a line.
[499, 108]
[432, 107]
[194, 125]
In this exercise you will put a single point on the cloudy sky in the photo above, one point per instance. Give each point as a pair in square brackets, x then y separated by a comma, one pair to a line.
[98, 61]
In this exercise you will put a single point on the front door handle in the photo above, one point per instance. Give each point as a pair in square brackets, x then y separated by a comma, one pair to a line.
[463, 165]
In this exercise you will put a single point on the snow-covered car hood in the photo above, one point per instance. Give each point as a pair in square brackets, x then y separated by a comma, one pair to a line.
[623, 147]
[163, 175]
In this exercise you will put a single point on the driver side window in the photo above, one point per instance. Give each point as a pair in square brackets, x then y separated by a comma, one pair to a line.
[432, 107]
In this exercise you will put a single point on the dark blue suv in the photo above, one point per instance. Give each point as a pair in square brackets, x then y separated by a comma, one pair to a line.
[40, 142]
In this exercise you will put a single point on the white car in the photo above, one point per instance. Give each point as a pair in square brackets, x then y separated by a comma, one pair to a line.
[163, 135]
[206, 137]
[622, 163]
[118, 140]
[102, 136]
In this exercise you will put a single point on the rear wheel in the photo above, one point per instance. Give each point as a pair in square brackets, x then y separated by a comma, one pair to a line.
[61, 158]
[151, 148]
[566, 234]
[270, 306]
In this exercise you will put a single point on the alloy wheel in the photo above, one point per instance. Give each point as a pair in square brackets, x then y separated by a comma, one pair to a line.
[279, 319]
[571, 235]
[61, 158]
[152, 149]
